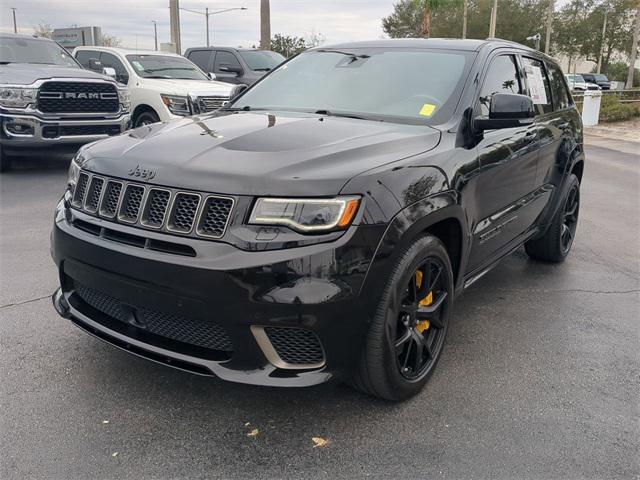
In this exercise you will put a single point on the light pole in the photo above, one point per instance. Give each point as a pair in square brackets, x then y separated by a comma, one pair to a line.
[207, 14]
[155, 33]
[15, 26]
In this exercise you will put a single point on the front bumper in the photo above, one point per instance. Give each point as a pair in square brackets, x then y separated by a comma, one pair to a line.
[320, 289]
[26, 131]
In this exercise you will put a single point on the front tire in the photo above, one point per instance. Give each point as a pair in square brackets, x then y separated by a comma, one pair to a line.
[146, 118]
[5, 161]
[407, 335]
[555, 244]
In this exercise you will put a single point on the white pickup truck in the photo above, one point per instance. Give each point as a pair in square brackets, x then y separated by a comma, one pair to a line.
[162, 86]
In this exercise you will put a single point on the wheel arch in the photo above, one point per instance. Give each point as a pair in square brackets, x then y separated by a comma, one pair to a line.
[140, 109]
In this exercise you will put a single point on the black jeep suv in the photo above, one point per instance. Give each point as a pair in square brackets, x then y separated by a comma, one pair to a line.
[320, 226]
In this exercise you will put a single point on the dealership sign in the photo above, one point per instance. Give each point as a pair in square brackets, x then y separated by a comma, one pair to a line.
[78, 36]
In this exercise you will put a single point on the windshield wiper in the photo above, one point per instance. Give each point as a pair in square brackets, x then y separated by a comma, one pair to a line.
[264, 69]
[329, 113]
[350, 54]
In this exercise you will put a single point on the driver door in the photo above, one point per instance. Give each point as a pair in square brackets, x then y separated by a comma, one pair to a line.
[508, 163]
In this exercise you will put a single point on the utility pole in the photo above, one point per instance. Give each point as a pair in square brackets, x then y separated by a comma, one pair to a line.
[155, 33]
[547, 40]
[265, 25]
[206, 16]
[604, 32]
[634, 51]
[494, 18]
[465, 6]
[174, 19]
[15, 25]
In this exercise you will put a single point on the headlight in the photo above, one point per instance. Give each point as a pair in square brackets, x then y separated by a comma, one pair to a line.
[176, 104]
[306, 214]
[13, 97]
[74, 172]
[125, 99]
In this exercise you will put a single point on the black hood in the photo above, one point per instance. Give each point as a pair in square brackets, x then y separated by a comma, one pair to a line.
[27, 73]
[259, 153]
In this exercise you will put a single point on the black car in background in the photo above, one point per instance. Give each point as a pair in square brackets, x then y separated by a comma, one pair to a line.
[321, 225]
[598, 78]
[234, 65]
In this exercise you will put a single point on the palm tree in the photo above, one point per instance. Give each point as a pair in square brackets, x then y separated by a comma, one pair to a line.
[265, 25]
[427, 7]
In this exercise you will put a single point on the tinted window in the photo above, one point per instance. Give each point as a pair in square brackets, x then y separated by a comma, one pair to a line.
[262, 60]
[502, 77]
[33, 50]
[558, 87]
[201, 58]
[539, 89]
[83, 56]
[392, 84]
[225, 59]
[109, 60]
[165, 66]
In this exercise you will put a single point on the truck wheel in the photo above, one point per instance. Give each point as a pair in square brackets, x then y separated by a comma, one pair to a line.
[406, 336]
[146, 118]
[5, 161]
[555, 244]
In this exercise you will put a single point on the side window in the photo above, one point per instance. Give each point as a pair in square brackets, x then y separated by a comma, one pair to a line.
[539, 89]
[109, 60]
[83, 56]
[201, 58]
[558, 87]
[502, 77]
[225, 59]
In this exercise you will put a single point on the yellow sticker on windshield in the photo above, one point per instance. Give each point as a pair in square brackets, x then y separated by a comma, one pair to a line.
[427, 109]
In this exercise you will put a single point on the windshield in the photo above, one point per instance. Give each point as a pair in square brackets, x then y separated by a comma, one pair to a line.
[601, 78]
[165, 66]
[261, 59]
[575, 78]
[401, 85]
[32, 50]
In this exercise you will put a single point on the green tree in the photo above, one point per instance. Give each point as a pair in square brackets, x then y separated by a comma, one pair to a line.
[288, 45]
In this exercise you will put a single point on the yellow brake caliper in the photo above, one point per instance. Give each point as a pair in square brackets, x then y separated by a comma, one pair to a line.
[423, 325]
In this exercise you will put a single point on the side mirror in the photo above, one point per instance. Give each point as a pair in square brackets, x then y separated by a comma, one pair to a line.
[224, 67]
[95, 64]
[237, 90]
[211, 75]
[507, 110]
[109, 71]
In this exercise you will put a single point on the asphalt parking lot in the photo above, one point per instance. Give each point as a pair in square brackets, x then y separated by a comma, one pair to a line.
[539, 378]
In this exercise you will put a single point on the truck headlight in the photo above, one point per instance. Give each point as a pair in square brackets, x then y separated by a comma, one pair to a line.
[15, 97]
[178, 105]
[306, 215]
[125, 99]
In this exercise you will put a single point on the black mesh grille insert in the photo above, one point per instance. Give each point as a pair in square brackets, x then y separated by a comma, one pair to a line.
[130, 208]
[214, 216]
[184, 212]
[110, 199]
[67, 97]
[296, 345]
[81, 188]
[197, 332]
[93, 196]
[156, 207]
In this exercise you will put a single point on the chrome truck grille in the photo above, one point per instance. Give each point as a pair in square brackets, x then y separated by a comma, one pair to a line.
[153, 207]
[78, 97]
[209, 104]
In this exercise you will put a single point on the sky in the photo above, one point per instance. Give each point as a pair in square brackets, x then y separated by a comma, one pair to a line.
[130, 20]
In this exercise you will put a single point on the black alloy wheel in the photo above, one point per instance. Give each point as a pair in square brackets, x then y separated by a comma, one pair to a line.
[406, 336]
[570, 218]
[420, 327]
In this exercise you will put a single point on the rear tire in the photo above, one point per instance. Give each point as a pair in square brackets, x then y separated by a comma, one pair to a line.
[555, 244]
[381, 371]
